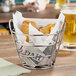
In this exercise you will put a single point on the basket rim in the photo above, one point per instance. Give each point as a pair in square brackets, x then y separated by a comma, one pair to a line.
[38, 34]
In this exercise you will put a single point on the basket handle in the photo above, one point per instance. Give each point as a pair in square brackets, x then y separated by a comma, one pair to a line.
[12, 32]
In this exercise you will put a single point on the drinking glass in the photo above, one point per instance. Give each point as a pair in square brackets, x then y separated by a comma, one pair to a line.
[69, 38]
[59, 3]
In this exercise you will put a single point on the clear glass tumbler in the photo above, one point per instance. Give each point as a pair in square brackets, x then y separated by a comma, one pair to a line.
[69, 38]
[59, 3]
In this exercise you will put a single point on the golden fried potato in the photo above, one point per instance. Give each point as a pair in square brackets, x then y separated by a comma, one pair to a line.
[47, 29]
[26, 21]
[27, 39]
[25, 27]
[34, 24]
[40, 28]
[53, 25]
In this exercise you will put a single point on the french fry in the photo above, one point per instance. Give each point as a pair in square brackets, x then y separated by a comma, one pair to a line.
[25, 27]
[46, 29]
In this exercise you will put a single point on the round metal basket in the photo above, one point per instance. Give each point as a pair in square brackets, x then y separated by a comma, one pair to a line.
[31, 56]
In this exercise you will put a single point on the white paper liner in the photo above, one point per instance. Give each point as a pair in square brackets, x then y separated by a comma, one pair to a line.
[37, 40]
[56, 29]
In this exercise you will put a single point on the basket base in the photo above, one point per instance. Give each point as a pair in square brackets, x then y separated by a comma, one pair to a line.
[38, 67]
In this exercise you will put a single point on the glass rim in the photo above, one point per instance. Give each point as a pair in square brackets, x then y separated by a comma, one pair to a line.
[68, 9]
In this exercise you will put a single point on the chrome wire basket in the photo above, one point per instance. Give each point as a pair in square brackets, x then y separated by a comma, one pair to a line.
[31, 56]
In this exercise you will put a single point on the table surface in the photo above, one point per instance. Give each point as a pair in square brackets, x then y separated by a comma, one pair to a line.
[50, 12]
[65, 64]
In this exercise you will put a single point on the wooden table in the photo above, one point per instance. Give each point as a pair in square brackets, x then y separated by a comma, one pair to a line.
[64, 65]
[50, 12]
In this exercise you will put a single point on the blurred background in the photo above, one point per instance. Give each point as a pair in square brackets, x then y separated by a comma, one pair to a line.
[5, 17]
[20, 1]
[51, 1]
